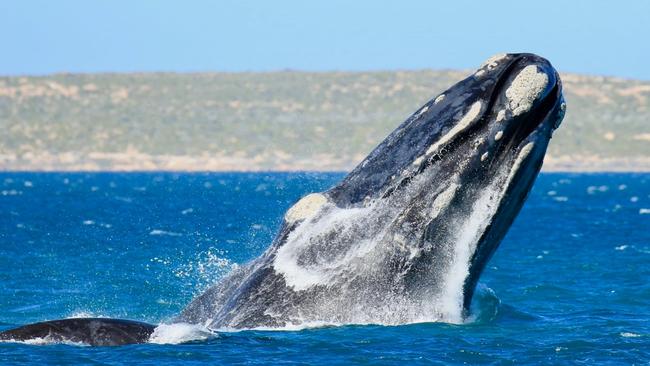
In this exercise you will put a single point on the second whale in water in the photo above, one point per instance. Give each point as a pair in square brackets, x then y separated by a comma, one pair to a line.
[405, 236]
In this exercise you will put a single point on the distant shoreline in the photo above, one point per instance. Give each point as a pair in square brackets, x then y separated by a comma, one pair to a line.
[283, 121]
[139, 162]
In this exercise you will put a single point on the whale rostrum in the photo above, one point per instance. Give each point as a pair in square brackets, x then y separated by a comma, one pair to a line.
[405, 236]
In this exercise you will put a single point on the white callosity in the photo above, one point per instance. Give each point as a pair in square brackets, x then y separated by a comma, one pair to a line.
[443, 199]
[501, 115]
[525, 89]
[305, 208]
[418, 160]
[493, 61]
[439, 99]
[490, 64]
[464, 122]
[519, 161]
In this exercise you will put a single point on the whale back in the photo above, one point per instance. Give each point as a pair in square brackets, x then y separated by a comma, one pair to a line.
[88, 331]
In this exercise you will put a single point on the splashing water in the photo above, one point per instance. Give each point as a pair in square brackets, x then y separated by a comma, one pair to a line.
[354, 263]
[206, 268]
[468, 233]
[180, 333]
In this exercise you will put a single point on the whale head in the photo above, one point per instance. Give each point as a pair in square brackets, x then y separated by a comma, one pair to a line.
[405, 236]
[462, 165]
[446, 185]
[480, 123]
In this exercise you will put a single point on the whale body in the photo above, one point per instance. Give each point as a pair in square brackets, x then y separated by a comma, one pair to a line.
[405, 236]
[90, 331]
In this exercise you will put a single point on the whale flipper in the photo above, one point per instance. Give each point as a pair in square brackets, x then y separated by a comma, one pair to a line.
[90, 331]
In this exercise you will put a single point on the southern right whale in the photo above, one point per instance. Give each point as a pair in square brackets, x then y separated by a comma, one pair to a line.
[405, 236]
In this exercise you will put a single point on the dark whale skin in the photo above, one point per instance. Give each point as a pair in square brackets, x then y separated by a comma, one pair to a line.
[89, 331]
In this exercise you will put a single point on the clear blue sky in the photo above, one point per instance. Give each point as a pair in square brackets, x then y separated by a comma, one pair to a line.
[593, 37]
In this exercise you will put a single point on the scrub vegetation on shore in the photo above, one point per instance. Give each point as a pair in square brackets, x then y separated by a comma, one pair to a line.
[277, 120]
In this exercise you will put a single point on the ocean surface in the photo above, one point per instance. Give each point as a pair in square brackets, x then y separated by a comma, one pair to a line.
[570, 283]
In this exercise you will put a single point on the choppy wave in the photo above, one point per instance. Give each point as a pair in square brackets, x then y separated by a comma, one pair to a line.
[585, 302]
[164, 232]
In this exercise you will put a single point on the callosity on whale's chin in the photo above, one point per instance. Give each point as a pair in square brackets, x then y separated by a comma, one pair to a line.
[405, 236]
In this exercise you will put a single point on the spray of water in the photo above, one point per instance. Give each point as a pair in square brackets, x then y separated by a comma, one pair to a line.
[356, 265]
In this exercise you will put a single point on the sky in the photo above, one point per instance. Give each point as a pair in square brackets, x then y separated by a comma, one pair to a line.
[591, 37]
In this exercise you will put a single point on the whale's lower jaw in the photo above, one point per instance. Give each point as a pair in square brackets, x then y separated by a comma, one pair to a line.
[86, 331]
[529, 162]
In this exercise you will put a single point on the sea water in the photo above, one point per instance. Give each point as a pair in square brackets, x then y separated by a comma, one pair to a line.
[569, 284]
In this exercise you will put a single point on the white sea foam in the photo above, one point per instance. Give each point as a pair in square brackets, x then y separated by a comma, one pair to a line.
[468, 232]
[84, 314]
[301, 277]
[595, 189]
[44, 341]
[287, 327]
[205, 269]
[630, 335]
[180, 333]
[164, 232]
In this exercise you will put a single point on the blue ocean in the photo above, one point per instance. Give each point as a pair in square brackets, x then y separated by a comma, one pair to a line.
[570, 283]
